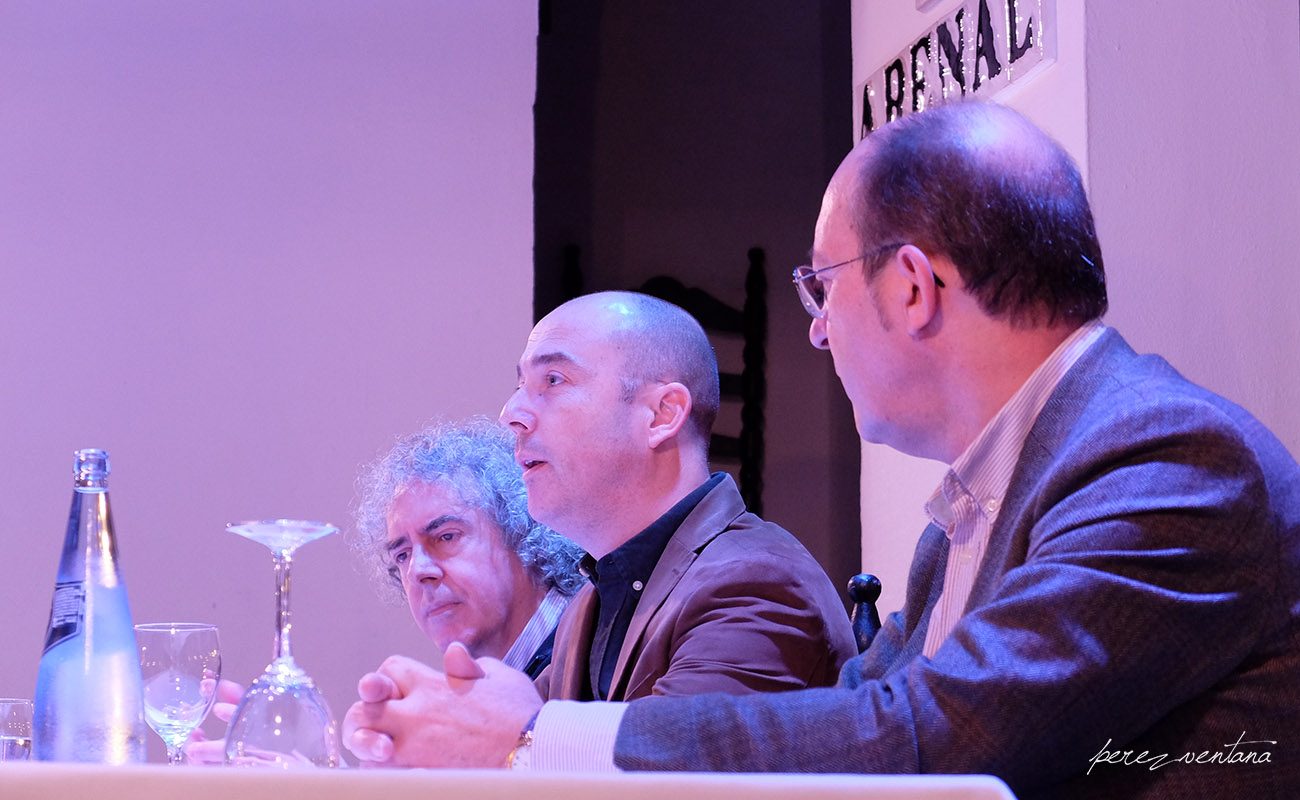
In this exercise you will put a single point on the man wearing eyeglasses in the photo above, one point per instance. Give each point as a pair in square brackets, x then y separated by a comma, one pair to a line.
[1107, 600]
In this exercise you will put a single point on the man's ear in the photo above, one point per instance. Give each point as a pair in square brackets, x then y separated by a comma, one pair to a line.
[670, 405]
[922, 304]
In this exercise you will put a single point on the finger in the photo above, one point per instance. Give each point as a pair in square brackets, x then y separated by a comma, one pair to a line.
[223, 711]
[206, 753]
[370, 746]
[227, 696]
[229, 692]
[362, 715]
[406, 673]
[458, 663]
[375, 687]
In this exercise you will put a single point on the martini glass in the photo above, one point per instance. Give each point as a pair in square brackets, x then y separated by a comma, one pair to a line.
[282, 720]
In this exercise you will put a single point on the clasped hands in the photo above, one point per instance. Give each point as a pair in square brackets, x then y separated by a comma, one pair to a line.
[412, 715]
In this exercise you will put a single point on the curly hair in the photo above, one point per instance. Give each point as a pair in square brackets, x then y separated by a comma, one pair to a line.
[476, 457]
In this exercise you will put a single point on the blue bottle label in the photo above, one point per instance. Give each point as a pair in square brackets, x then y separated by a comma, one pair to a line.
[67, 612]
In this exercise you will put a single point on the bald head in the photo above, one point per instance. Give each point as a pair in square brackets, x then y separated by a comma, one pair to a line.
[658, 342]
[980, 184]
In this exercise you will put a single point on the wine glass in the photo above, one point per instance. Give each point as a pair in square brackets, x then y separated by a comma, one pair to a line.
[175, 660]
[283, 719]
[15, 729]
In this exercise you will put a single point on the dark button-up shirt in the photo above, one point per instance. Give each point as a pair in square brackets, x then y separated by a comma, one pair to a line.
[620, 578]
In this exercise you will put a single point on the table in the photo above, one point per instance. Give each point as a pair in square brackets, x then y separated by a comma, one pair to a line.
[49, 781]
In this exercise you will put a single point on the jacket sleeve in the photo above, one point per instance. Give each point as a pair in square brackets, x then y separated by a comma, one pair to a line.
[1136, 556]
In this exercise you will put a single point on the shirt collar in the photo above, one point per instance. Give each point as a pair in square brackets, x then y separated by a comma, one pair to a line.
[983, 471]
[538, 629]
[636, 558]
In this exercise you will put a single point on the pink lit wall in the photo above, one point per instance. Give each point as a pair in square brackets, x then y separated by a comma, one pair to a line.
[243, 246]
[1192, 121]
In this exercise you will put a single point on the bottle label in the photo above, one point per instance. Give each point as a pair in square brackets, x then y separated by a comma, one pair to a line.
[67, 612]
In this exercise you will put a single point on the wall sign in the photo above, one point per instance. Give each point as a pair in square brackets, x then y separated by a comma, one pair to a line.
[980, 49]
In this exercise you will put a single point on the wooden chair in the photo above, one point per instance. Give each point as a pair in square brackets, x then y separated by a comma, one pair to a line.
[743, 386]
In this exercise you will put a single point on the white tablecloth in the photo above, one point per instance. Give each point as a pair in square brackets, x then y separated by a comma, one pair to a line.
[44, 781]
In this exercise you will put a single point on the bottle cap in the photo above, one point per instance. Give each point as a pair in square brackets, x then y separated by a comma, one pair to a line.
[90, 466]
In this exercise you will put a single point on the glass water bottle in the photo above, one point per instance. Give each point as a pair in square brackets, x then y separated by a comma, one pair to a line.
[89, 704]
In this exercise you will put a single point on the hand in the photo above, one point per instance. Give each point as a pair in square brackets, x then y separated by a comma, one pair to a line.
[201, 750]
[411, 715]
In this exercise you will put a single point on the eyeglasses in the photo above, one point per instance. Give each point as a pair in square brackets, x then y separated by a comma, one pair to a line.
[812, 292]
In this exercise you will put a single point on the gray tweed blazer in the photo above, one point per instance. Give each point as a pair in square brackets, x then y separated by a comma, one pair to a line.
[1139, 601]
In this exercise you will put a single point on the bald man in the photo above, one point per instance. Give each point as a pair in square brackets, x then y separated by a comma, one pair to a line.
[1107, 600]
[616, 400]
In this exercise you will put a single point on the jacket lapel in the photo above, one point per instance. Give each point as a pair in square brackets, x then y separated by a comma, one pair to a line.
[714, 514]
[573, 635]
[1009, 539]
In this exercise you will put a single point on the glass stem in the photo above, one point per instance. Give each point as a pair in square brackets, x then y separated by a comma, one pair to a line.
[283, 615]
[175, 755]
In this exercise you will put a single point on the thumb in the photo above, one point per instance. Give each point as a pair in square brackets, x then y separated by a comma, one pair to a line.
[458, 663]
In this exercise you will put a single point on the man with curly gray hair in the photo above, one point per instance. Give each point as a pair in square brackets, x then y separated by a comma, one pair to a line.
[443, 519]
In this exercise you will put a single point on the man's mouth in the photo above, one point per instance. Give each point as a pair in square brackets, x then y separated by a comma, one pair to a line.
[530, 464]
[440, 609]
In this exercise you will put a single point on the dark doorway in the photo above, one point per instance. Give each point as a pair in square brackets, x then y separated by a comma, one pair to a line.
[671, 138]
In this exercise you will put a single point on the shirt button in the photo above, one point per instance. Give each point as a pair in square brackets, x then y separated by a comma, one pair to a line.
[991, 506]
[637, 586]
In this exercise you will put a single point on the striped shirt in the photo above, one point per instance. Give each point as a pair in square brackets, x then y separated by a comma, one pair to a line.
[538, 630]
[969, 497]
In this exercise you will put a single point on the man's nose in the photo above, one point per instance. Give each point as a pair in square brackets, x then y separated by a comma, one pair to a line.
[424, 566]
[817, 334]
[517, 414]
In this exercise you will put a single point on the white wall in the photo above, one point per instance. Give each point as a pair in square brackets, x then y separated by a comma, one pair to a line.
[1183, 119]
[1194, 136]
[244, 245]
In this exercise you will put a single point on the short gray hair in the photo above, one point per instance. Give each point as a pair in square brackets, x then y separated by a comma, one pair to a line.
[476, 457]
[981, 184]
[663, 342]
